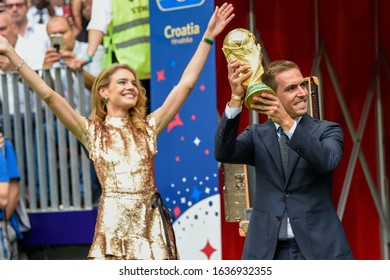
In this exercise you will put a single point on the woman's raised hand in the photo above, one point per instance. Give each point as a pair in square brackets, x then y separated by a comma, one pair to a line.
[220, 18]
[4, 45]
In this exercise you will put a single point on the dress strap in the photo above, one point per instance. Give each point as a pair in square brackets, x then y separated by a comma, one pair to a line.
[167, 218]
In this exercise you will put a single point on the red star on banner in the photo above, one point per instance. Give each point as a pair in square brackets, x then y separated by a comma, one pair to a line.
[202, 87]
[175, 122]
[160, 75]
[176, 211]
[208, 250]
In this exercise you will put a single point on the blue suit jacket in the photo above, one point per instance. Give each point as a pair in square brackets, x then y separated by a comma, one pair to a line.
[306, 192]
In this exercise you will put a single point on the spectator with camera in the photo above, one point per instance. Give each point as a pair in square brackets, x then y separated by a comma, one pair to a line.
[65, 48]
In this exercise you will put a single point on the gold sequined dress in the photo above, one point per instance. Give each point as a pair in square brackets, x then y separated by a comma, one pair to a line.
[127, 225]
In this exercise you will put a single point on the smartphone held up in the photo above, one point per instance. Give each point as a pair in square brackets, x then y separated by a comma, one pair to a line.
[56, 41]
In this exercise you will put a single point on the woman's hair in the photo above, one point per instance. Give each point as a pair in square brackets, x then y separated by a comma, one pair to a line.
[99, 109]
[274, 68]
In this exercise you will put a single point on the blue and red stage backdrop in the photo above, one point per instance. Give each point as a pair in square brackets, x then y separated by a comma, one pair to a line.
[186, 171]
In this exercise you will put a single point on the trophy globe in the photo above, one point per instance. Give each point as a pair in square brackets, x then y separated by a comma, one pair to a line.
[242, 45]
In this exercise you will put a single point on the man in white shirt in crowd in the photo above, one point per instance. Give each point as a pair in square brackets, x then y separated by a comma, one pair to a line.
[42, 10]
[33, 33]
[9, 31]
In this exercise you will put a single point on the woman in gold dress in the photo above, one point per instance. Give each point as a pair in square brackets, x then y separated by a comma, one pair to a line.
[132, 221]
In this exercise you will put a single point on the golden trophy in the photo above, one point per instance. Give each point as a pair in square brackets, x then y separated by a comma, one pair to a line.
[242, 45]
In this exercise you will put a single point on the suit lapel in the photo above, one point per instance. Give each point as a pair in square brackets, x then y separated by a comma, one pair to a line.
[308, 124]
[268, 134]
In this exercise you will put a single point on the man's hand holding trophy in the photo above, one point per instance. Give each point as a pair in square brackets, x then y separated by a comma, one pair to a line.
[240, 44]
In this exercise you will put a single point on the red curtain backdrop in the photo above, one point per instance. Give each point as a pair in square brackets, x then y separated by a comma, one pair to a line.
[351, 33]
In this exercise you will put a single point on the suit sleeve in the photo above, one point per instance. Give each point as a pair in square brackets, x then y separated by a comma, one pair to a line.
[323, 149]
[228, 147]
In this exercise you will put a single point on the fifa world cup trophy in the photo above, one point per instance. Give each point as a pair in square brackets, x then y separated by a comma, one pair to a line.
[242, 45]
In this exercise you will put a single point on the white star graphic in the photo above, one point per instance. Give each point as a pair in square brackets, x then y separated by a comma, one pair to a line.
[197, 141]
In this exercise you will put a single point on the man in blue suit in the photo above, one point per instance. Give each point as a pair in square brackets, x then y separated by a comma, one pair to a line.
[293, 216]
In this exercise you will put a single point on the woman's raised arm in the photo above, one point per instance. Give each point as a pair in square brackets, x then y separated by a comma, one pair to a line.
[176, 98]
[60, 107]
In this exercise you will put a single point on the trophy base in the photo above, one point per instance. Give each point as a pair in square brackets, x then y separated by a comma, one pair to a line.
[254, 90]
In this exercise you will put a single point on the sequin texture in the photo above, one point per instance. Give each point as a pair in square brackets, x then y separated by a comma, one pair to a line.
[127, 226]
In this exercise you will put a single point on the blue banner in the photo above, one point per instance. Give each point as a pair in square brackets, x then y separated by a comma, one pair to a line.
[186, 171]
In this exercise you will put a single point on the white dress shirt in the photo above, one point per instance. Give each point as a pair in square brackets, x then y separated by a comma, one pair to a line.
[37, 40]
[33, 14]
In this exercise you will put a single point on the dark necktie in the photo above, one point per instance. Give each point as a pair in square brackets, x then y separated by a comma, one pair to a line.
[283, 138]
[40, 13]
